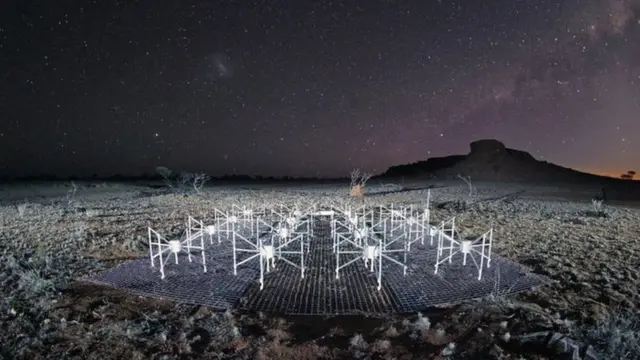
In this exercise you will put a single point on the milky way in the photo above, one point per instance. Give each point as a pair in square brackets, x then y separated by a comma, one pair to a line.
[315, 88]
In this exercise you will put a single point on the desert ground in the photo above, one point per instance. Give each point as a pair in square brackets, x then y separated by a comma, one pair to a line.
[51, 236]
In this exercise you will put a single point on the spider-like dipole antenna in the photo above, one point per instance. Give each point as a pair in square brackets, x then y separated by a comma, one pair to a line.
[297, 210]
[480, 247]
[262, 252]
[198, 227]
[380, 251]
[164, 249]
[314, 205]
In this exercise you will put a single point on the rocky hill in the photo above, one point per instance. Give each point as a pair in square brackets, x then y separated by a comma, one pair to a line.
[491, 160]
[424, 167]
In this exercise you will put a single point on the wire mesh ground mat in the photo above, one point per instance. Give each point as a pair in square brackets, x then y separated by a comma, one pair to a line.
[319, 292]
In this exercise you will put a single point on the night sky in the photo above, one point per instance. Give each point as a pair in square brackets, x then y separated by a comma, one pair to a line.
[306, 88]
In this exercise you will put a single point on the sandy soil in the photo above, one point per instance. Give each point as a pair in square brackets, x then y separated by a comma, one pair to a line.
[50, 237]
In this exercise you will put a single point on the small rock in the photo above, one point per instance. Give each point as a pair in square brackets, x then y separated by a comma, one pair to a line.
[448, 351]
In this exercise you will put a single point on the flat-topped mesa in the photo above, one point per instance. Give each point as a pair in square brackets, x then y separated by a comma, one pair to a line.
[491, 160]
[494, 153]
[485, 152]
[487, 146]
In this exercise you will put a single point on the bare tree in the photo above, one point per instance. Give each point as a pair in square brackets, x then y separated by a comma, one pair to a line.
[467, 180]
[629, 175]
[71, 194]
[184, 181]
[199, 180]
[192, 180]
[358, 182]
[166, 174]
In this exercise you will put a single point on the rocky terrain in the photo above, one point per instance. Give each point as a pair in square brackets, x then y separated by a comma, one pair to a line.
[491, 160]
[51, 237]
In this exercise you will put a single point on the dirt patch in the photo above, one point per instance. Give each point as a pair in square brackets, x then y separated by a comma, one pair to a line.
[593, 261]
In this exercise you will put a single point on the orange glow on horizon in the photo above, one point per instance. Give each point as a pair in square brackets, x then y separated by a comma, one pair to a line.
[608, 173]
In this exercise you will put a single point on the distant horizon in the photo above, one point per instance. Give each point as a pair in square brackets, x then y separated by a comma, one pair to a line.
[151, 173]
[154, 175]
[606, 173]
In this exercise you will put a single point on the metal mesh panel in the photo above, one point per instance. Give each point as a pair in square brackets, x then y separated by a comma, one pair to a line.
[186, 282]
[421, 288]
[319, 293]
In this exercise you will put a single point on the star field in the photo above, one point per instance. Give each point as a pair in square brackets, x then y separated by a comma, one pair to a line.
[314, 88]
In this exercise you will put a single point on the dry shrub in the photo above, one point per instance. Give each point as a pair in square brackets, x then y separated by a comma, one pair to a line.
[358, 181]
[356, 191]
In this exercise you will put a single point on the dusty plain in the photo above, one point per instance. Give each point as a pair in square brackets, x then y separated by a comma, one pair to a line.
[50, 238]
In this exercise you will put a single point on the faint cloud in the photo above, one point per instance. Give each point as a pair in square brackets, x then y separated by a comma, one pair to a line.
[622, 13]
[605, 18]
[218, 66]
[503, 92]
